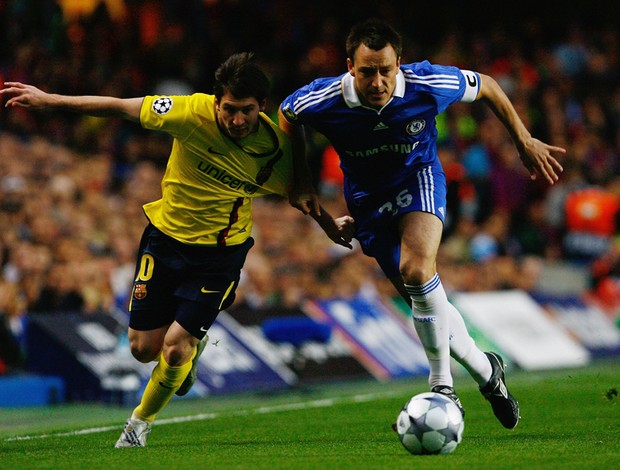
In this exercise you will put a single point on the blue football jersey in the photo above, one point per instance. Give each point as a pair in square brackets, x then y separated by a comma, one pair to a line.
[379, 149]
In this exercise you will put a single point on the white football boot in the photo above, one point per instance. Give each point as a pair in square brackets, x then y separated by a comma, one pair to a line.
[134, 434]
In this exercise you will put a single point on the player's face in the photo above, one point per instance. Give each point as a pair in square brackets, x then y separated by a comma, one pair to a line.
[374, 74]
[238, 118]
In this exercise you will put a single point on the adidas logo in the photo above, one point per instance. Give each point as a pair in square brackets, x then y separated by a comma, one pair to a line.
[380, 127]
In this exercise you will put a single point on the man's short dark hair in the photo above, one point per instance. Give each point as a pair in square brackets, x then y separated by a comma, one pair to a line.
[374, 34]
[242, 77]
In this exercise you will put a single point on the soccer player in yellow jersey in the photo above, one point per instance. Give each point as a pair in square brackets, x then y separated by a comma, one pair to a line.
[225, 152]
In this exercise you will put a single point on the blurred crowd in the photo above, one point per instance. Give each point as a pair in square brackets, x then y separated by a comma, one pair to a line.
[72, 187]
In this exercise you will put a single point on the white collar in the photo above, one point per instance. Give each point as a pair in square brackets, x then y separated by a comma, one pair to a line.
[352, 99]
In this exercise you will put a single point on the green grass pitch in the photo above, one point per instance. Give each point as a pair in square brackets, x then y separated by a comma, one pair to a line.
[570, 420]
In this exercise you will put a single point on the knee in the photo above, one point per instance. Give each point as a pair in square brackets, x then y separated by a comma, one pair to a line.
[416, 273]
[144, 352]
[177, 354]
[418, 266]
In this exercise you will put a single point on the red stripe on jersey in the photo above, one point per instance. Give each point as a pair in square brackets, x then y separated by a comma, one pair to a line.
[232, 218]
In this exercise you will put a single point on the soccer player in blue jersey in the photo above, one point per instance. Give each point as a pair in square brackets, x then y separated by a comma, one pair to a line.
[380, 118]
[225, 152]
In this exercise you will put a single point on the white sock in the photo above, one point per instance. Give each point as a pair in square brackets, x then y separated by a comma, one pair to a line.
[464, 350]
[431, 320]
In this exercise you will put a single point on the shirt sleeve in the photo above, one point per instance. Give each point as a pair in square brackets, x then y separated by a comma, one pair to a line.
[288, 109]
[171, 114]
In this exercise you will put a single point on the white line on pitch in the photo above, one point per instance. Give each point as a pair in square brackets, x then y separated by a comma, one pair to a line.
[323, 403]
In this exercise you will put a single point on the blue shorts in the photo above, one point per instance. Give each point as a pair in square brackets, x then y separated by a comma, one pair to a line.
[187, 283]
[376, 215]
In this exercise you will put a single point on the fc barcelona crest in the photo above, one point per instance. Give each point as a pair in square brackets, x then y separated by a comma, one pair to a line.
[139, 291]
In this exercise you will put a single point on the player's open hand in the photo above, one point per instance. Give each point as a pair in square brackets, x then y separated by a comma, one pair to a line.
[538, 158]
[24, 96]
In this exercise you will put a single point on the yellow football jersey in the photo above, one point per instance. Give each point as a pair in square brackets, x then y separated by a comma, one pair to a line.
[210, 180]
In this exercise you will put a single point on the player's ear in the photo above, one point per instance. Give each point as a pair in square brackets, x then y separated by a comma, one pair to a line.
[350, 66]
[263, 105]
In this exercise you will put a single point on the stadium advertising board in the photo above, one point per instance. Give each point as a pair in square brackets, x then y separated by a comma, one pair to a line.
[232, 362]
[584, 321]
[521, 329]
[83, 350]
[382, 340]
[311, 357]
[91, 354]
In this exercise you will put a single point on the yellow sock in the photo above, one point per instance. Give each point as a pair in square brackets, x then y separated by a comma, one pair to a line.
[164, 381]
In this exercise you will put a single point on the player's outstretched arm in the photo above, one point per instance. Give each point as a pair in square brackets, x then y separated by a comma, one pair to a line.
[537, 156]
[27, 96]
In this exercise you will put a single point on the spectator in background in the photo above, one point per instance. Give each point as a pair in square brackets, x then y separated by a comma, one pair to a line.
[330, 184]
[461, 200]
[590, 220]
[491, 240]
[605, 278]
[572, 55]
[554, 202]
[531, 232]
[510, 184]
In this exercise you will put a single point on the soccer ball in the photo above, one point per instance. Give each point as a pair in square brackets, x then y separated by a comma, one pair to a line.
[430, 423]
